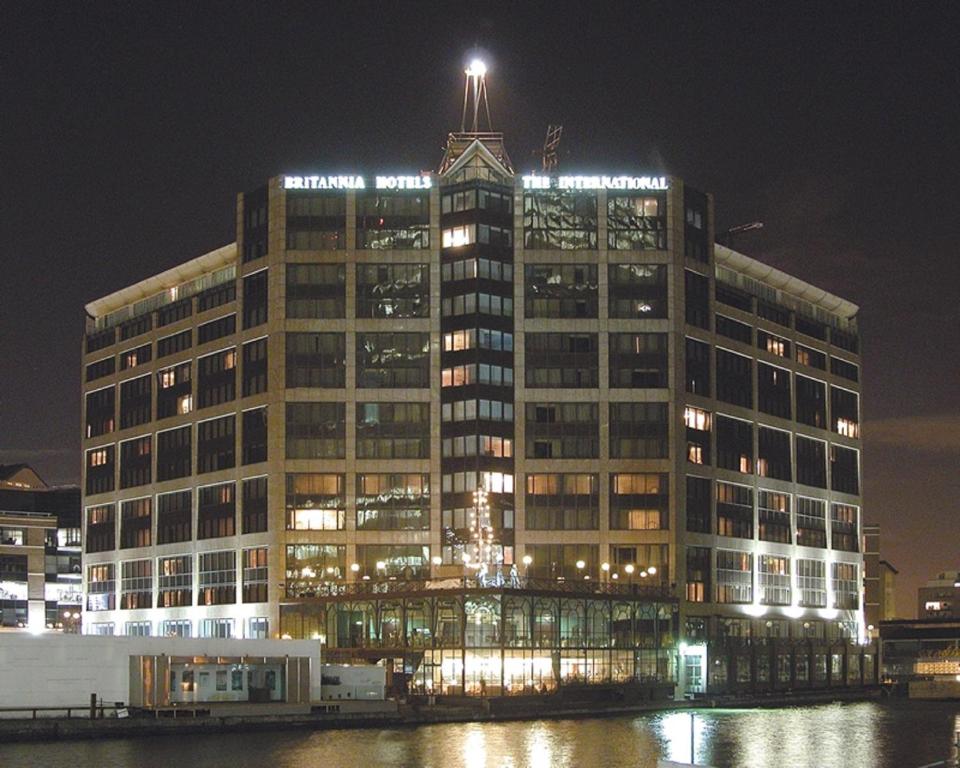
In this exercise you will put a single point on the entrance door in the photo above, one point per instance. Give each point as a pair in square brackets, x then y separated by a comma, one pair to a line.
[693, 672]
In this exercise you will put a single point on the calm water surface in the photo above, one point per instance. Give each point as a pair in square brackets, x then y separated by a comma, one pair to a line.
[868, 735]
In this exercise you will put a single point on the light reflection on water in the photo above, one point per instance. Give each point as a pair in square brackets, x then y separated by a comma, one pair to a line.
[868, 735]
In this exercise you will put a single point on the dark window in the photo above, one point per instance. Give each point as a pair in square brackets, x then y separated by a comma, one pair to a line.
[811, 402]
[637, 291]
[171, 313]
[174, 581]
[698, 575]
[316, 360]
[254, 436]
[557, 502]
[255, 299]
[170, 345]
[774, 454]
[698, 299]
[101, 406]
[396, 502]
[638, 360]
[639, 502]
[734, 444]
[174, 517]
[562, 360]
[216, 511]
[101, 368]
[698, 504]
[218, 578]
[100, 469]
[838, 367]
[217, 329]
[136, 584]
[101, 339]
[216, 444]
[696, 227]
[773, 513]
[135, 461]
[136, 327]
[639, 431]
[254, 367]
[811, 462]
[217, 296]
[552, 561]
[844, 469]
[101, 528]
[773, 390]
[734, 329]
[811, 327]
[698, 367]
[255, 505]
[844, 531]
[393, 430]
[174, 453]
[734, 378]
[393, 290]
[316, 291]
[560, 290]
[733, 296]
[136, 402]
[255, 574]
[174, 391]
[775, 313]
[316, 430]
[559, 220]
[101, 587]
[316, 502]
[812, 357]
[734, 510]
[135, 523]
[637, 222]
[811, 522]
[256, 224]
[134, 357]
[217, 378]
[316, 221]
[393, 360]
[562, 431]
[393, 220]
[844, 340]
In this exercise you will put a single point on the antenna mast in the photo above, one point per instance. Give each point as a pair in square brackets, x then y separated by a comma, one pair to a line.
[550, 156]
[475, 85]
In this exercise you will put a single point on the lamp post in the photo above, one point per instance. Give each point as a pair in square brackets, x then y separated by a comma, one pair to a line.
[604, 572]
[580, 566]
[629, 568]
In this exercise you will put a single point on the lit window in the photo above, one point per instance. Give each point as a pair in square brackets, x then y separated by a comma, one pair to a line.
[696, 418]
[98, 458]
[184, 404]
[459, 236]
[745, 464]
[848, 428]
[168, 378]
[694, 453]
[229, 359]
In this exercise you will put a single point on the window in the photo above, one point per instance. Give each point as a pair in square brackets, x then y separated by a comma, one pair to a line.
[174, 517]
[773, 390]
[773, 512]
[457, 237]
[698, 505]
[775, 345]
[845, 585]
[773, 579]
[811, 357]
[562, 360]
[811, 462]
[560, 290]
[845, 412]
[734, 378]
[698, 423]
[728, 292]
[393, 502]
[639, 431]
[637, 291]
[393, 290]
[136, 405]
[734, 576]
[174, 391]
[101, 587]
[255, 505]
[254, 446]
[698, 367]
[217, 628]
[697, 288]
[811, 522]
[255, 299]
[637, 222]
[218, 295]
[315, 502]
[178, 342]
[316, 430]
[471, 303]
[310, 565]
[551, 561]
[216, 444]
[175, 587]
[216, 511]
[172, 313]
[560, 220]
[256, 224]
[316, 221]
[562, 431]
[812, 583]
[217, 378]
[100, 469]
[393, 220]
[734, 444]
[136, 584]
[845, 340]
[393, 430]
[844, 469]
[843, 528]
[136, 459]
[101, 339]
[174, 453]
[734, 510]
[639, 502]
[254, 367]
[217, 329]
[393, 360]
[316, 360]
[217, 578]
[258, 628]
[255, 575]
[101, 368]
[734, 329]
[316, 291]
[562, 502]
[638, 360]
[136, 327]
[696, 229]
[134, 357]
[135, 523]
[698, 575]
[838, 367]
[101, 406]
[101, 528]
[137, 628]
[469, 269]
[811, 402]
[774, 458]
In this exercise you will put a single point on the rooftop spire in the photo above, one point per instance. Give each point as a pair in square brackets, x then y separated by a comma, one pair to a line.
[475, 85]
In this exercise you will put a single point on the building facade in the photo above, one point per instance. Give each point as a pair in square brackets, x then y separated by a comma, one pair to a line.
[555, 378]
[939, 598]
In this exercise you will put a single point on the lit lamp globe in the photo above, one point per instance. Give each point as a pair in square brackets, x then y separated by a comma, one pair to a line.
[466, 558]
[605, 567]
[652, 570]
[629, 569]
[527, 559]
[355, 567]
[581, 565]
[437, 560]
[477, 68]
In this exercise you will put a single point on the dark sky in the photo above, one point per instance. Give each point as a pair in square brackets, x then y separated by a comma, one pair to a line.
[126, 131]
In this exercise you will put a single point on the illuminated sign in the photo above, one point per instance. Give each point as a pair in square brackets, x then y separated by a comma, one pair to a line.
[13, 590]
[651, 183]
[418, 181]
[64, 594]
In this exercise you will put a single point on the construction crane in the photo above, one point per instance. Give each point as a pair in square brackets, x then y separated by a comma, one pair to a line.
[550, 156]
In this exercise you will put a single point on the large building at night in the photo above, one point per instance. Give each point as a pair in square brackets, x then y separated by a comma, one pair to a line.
[536, 415]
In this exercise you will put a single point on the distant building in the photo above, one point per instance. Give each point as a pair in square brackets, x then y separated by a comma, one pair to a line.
[922, 656]
[879, 580]
[40, 584]
[939, 598]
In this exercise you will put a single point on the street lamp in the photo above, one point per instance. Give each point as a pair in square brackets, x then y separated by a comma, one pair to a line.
[629, 569]
[437, 560]
[604, 571]
[355, 567]
[381, 568]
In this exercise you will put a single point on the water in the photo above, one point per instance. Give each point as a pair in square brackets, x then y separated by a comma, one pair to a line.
[865, 735]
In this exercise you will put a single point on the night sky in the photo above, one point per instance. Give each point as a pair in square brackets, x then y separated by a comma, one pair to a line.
[126, 131]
